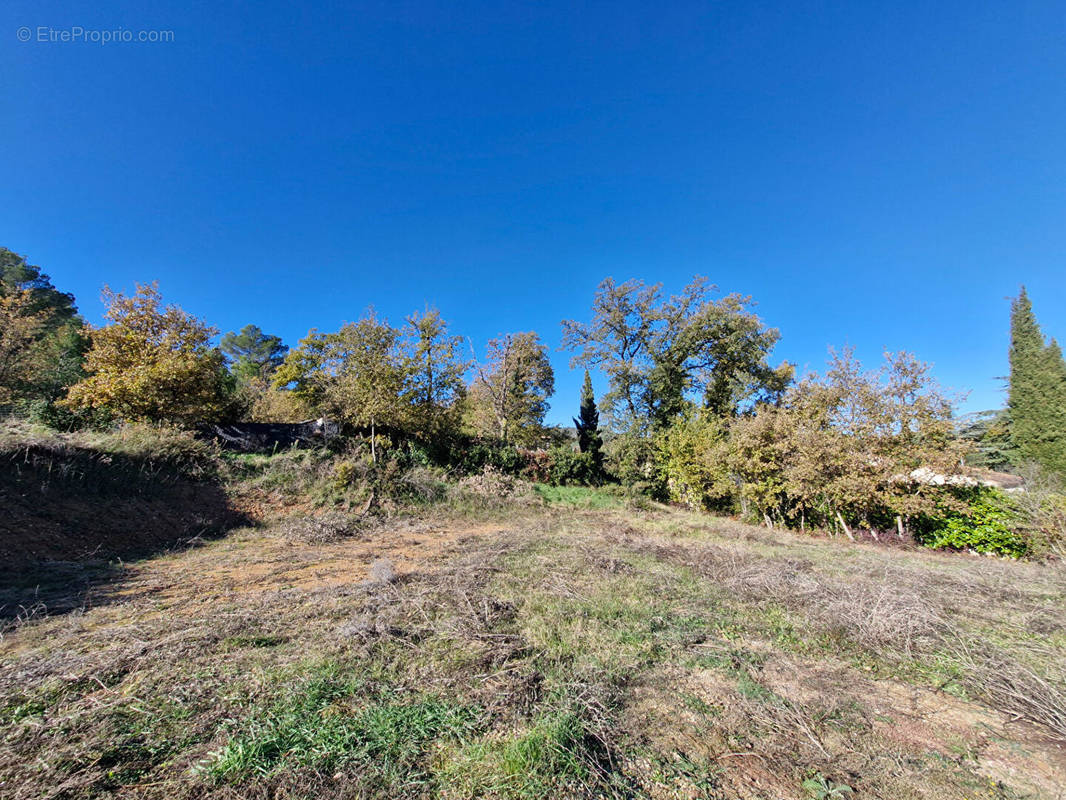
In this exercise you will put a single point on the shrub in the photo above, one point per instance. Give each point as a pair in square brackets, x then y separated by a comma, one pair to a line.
[631, 459]
[989, 524]
[60, 418]
[691, 457]
[1042, 509]
[469, 456]
[537, 466]
[570, 468]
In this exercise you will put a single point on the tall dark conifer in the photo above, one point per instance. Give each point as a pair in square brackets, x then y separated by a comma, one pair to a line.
[1037, 396]
[588, 423]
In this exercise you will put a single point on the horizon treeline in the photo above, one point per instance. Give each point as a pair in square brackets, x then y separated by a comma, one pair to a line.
[695, 409]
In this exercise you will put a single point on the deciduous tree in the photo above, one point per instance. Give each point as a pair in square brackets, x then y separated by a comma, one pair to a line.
[356, 375]
[509, 397]
[435, 371]
[844, 447]
[659, 352]
[21, 330]
[152, 362]
[42, 340]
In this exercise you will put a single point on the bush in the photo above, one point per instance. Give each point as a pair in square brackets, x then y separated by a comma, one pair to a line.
[990, 524]
[469, 456]
[537, 466]
[570, 468]
[631, 459]
[691, 460]
[60, 418]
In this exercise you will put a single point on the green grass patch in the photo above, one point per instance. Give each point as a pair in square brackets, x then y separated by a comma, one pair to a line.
[331, 722]
[589, 497]
[554, 754]
[253, 640]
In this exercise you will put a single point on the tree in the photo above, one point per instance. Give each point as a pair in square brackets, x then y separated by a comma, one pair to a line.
[988, 433]
[661, 352]
[435, 370]
[21, 329]
[17, 275]
[151, 363]
[509, 397]
[356, 375]
[1036, 402]
[844, 448]
[587, 424]
[262, 401]
[691, 460]
[252, 354]
[42, 341]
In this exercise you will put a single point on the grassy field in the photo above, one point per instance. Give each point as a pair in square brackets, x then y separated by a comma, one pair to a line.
[569, 647]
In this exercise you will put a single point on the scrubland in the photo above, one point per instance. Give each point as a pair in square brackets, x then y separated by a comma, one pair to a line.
[510, 641]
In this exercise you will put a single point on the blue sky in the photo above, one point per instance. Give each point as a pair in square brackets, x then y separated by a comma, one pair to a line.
[883, 175]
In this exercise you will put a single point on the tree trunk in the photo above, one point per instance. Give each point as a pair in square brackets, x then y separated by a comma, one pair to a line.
[844, 525]
[373, 446]
[871, 529]
[899, 525]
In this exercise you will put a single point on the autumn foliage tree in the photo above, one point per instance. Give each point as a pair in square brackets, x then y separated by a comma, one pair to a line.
[372, 375]
[21, 329]
[151, 362]
[435, 370]
[354, 375]
[851, 447]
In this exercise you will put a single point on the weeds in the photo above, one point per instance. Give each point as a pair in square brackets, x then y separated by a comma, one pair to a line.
[585, 497]
[330, 722]
[571, 652]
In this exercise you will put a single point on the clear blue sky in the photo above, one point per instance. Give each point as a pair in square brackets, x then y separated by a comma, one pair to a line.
[880, 174]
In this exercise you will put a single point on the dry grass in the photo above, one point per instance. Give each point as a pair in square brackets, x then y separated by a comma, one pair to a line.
[540, 652]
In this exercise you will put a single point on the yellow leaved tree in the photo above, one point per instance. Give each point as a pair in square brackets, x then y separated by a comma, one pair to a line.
[152, 363]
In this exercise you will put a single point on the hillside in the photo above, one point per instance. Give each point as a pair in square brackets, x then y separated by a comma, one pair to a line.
[512, 648]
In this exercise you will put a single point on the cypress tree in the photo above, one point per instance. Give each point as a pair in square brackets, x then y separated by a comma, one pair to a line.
[587, 423]
[1036, 403]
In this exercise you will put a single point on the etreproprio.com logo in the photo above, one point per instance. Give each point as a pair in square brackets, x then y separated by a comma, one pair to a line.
[77, 34]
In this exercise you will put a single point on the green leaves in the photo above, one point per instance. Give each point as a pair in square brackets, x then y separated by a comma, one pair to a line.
[371, 374]
[989, 524]
[659, 353]
[509, 397]
[253, 354]
[1037, 399]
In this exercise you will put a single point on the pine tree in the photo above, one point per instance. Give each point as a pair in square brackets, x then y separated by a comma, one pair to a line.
[252, 353]
[587, 423]
[1037, 394]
